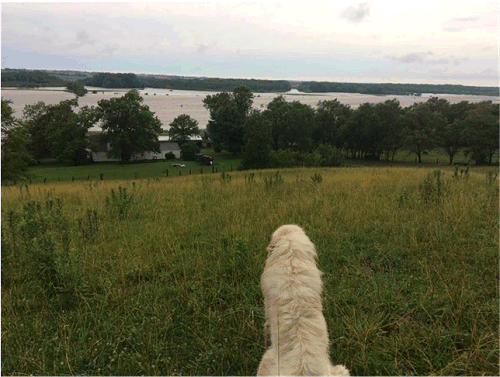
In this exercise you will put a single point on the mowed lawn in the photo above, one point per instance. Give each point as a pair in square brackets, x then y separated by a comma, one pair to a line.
[162, 276]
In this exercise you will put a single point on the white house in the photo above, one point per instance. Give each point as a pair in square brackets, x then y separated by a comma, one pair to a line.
[166, 146]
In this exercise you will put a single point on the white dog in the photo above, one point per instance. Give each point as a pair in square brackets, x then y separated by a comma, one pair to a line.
[292, 286]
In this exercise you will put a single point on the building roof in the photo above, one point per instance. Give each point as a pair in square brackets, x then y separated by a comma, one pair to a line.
[191, 138]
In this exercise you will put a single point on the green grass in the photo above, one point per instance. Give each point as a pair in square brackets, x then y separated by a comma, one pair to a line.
[134, 170]
[224, 162]
[162, 276]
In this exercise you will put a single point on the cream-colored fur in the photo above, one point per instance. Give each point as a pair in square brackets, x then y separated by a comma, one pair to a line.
[292, 287]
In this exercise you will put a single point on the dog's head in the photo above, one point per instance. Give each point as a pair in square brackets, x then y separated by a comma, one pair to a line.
[289, 233]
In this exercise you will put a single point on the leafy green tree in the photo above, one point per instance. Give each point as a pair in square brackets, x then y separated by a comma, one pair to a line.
[292, 124]
[35, 119]
[362, 132]
[257, 151]
[223, 115]
[68, 133]
[76, 88]
[480, 132]
[390, 124]
[182, 127]
[449, 137]
[228, 112]
[15, 155]
[189, 150]
[330, 117]
[129, 126]
[420, 127]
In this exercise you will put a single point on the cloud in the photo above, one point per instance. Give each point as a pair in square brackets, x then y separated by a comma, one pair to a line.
[421, 58]
[109, 50]
[356, 15]
[82, 38]
[460, 24]
[408, 58]
[202, 48]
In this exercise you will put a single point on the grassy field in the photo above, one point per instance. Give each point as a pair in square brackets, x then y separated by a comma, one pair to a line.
[134, 170]
[224, 162]
[162, 276]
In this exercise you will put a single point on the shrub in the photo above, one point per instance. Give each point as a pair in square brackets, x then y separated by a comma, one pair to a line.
[170, 156]
[331, 155]
[189, 150]
[284, 158]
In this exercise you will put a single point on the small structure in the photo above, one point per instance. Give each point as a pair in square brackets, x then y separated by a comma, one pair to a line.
[166, 146]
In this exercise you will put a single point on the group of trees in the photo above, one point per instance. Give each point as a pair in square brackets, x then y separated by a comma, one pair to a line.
[282, 134]
[60, 132]
[372, 131]
[115, 80]
[22, 77]
[394, 89]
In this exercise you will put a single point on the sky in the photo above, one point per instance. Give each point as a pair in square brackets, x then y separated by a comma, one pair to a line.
[368, 42]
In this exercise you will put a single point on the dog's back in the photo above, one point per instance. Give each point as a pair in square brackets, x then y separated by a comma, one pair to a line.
[292, 287]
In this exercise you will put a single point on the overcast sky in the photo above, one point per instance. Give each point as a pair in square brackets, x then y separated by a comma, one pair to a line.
[396, 41]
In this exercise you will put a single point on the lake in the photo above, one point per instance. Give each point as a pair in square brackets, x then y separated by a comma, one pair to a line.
[168, 104]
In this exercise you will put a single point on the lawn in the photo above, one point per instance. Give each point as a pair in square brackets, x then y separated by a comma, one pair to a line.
[162, 276]
[224, 162]
[134, 170]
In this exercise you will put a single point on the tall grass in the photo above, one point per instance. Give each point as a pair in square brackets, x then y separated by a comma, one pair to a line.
[162, 276]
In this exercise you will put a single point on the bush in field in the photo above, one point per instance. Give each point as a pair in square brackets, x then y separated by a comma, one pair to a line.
[189, 150]
[311, 159]
[170, 156]
[120, 203]
[331, 155]
[284, 158]
[40, 238]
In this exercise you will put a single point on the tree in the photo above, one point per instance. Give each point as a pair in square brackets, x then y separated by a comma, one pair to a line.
[77, 88]
[67, 132]
[390, 116]
[481, 132]
[449, 137]
[189, 150]
[257, 151]
[130, 127]
[228, 112]
[35, 119]
[15, 155]
[420, 126]
[292, 124]
[362, 132]
[182, 127]
[330, 117]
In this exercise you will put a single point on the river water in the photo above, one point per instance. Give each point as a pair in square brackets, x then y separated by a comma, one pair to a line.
[168, 104]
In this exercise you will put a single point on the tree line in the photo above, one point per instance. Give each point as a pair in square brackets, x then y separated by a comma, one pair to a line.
[281, 135]
[293, 133]
[61, 132]
[23, 77]
[394, 89]
[20, 78]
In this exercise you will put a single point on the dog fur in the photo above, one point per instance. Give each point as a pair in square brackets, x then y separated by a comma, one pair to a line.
[292, 287]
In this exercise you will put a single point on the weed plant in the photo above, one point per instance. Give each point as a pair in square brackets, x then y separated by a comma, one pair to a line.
[410, 262]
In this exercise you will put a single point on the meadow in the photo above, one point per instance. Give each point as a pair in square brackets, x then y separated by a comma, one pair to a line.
[56, 172]
[161, 276]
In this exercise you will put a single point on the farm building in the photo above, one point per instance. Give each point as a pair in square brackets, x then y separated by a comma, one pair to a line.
[166, 146]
